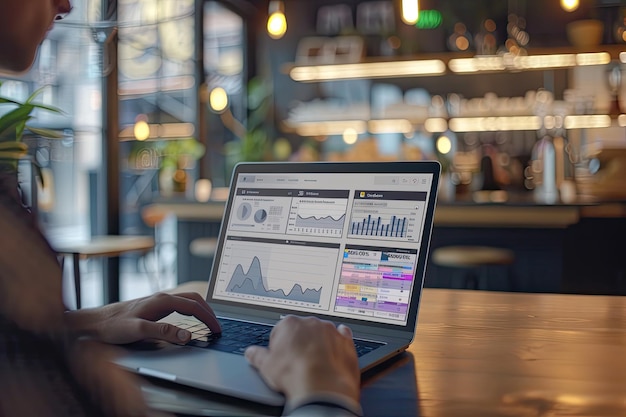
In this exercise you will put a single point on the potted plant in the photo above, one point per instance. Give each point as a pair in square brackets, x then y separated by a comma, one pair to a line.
[13, 123]
[177, 155]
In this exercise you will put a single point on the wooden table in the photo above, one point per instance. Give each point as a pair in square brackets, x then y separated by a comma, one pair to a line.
[111, 246]
[487, 354]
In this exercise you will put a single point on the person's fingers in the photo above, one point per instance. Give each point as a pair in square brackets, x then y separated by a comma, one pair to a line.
[345, 331]
[163, 331]
[209, 318]
[256, 356]
[259, 357]
[162, 305]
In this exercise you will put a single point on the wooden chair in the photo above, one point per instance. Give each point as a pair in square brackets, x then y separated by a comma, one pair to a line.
[102, 246]
[475, 260]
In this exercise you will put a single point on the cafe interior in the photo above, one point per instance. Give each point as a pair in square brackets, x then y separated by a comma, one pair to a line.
[522, 102]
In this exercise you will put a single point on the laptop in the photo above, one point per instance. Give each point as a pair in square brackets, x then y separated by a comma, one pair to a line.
[346, 242]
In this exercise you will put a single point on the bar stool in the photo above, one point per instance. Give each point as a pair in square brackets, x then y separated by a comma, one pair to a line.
[110, 246]
[154, 217]
[475, 260]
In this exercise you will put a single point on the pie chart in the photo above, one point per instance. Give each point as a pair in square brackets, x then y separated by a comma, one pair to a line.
[260, 216]
[244, 211]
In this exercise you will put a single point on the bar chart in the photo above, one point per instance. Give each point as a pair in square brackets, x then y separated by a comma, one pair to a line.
[386, 220]
[394, 226]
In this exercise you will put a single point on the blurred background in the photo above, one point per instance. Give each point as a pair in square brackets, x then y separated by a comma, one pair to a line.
[522, 101]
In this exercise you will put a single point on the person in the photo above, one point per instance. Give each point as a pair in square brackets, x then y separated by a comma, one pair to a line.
[58, 362]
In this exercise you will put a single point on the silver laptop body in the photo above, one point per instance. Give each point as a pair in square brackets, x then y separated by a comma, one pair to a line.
[346, 242]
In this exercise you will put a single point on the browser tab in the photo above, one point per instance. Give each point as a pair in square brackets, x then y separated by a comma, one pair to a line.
[247, 178]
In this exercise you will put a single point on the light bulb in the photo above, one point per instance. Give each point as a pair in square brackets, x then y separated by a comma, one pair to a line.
[141, 130]
[570, 5]
[410, 11]
[218, 99]
[350, 136]
[444, 145]
[277, 25]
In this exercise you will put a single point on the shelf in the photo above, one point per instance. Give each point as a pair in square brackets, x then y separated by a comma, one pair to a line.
[455, 124]
[165, 131]
[458, 63]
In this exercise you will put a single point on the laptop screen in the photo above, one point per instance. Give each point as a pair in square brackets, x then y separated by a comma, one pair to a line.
[339, 244]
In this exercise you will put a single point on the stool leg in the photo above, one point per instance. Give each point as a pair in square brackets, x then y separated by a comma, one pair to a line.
[511, 277]
[76, 262]
[471, 280]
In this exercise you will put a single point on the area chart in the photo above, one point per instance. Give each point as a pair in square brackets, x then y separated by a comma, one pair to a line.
[253, 282]
[277, 272]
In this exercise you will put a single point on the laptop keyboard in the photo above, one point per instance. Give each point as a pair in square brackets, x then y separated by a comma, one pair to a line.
[237, 335]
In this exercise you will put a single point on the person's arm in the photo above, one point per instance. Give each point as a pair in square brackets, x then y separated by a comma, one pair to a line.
[314, 364]
[135, 320]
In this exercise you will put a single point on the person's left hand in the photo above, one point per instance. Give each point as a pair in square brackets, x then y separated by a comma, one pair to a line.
[135, 320]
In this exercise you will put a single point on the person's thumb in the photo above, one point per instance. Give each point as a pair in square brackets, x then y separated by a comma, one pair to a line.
[165, 331]
[256, 355]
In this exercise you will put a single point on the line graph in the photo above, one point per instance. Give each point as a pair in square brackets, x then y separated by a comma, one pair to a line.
[277, 272]
[317, 216]
[327, 222]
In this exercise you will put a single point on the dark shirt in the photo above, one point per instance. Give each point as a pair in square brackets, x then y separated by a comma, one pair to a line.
[35, 376]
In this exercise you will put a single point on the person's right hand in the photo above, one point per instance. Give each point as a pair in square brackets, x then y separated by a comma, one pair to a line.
[308, 356]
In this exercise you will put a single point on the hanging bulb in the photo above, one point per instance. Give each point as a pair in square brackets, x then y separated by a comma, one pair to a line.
[570, 5]
[141, 130]
[218, 100]
[410, 11]
[276, 22]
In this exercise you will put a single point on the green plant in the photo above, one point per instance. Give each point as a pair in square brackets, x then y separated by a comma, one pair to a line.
[14, 123]
[178, 153]
[254, 144]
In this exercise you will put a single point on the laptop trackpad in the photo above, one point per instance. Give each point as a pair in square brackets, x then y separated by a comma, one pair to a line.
[215, 371]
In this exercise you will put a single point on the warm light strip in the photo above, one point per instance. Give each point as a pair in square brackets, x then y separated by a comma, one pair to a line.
[501, 63]
[492, 124]
[622, 57]
[621, 120]
[368, 70]
[161, 131]
[587, 121]
[596, 58]
[436, 125]
[330, 128]
[544, 61]
[389, 126]
[477, 64]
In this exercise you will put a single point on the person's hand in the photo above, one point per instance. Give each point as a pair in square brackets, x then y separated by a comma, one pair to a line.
[308, 356]
[135, 320]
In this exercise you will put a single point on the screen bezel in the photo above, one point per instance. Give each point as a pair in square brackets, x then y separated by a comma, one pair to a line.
[406, 167]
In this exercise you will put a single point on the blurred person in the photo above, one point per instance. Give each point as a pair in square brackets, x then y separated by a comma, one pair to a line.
[53, 361]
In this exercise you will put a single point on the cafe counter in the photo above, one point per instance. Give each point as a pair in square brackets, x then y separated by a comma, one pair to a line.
[560, 248]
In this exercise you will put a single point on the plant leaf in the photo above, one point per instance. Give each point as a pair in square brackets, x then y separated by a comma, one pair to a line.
[46, 133]
[35, 93]
[14, 131]
[48, 108]
[19, 129]
[9, 120]
[5, 100]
